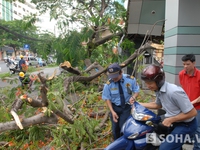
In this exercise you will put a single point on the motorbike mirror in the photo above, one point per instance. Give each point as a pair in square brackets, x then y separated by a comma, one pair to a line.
[161, 112]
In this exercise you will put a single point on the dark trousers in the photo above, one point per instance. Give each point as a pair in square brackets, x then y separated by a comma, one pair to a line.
[178, 136]
[123, 114]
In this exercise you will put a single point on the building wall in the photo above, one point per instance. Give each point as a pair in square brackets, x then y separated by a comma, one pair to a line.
[6, 10]
[182, 35]
[23, 9]
[16, 10]
[146, 14]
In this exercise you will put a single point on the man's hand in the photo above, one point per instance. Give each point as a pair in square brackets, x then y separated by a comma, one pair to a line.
[115, 117]
[167, 122]
[132, 100]
[197, 100]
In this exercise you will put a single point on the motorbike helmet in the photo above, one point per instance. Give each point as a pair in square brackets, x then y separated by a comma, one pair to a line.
[21, 74]
[21, 56]
[154, 73]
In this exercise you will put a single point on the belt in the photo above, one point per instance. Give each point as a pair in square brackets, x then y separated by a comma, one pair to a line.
[120, 105]
[183, 123]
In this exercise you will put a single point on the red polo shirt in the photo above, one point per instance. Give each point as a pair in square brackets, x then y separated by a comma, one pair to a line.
[191, 85]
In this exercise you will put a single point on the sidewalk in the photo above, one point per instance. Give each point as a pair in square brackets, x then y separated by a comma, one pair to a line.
[48, 71]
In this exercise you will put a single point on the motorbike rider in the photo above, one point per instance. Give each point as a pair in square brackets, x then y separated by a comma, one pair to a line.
[179, 111]
[8, 62]
[21, 62]
[117, 97]
[25, 79]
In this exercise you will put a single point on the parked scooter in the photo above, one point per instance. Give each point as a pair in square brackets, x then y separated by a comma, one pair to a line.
[141, 122]
[13, 66]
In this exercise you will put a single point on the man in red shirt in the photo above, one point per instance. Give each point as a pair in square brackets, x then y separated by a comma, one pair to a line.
[189, 79]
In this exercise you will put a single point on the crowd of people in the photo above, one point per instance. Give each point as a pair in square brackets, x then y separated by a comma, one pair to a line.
[181, 103]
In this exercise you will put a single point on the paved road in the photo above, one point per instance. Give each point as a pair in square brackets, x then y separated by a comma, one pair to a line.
[3, 67]
[47, 71]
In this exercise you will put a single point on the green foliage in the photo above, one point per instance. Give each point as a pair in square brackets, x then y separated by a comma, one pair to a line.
[104, 54]
[5, 115]
[128, 46]
[60, 135]
[89, 18]
[3, 75]
[37, 133]
[9, 97]
[20, 32]
[70, 49]
[87, 32]
[31, 135]
[45, 46]
[146, 96]
[55, 101]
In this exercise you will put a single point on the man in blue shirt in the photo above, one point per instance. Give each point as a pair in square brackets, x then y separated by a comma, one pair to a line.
[119, 92]
[21, 62]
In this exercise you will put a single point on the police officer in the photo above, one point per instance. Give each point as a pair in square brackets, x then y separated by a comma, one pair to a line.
[119, 92]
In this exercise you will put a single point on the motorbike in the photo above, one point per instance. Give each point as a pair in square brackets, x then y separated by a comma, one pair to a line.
[140, 127]
[13, 66]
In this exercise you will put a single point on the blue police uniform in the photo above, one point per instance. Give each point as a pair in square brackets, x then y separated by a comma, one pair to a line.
[111, 92]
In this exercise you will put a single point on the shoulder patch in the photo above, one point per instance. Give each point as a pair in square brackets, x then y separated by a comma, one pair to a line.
[109, 81]
[130, 77]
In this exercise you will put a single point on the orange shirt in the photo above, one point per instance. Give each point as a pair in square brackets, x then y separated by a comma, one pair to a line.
[191, 85]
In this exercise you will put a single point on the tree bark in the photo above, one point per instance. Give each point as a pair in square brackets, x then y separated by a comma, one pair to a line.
[34, 120]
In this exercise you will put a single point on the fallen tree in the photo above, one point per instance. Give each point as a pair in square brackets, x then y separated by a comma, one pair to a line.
[67, 66]
[51, 111]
